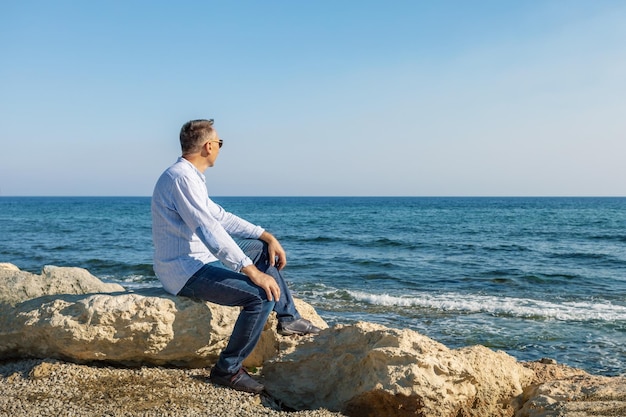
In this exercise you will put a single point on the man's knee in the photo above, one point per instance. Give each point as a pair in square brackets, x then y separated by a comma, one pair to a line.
[258, 303]
[268, 306]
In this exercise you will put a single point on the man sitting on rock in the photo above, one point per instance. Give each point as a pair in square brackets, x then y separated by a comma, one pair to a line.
[196, 255]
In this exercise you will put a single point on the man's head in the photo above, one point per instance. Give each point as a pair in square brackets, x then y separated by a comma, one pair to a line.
[200, 143]
[195, 133]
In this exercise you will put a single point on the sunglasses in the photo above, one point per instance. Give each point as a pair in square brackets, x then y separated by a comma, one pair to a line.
[220, 142]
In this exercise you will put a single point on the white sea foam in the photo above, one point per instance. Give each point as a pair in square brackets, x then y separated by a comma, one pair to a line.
[509, 306]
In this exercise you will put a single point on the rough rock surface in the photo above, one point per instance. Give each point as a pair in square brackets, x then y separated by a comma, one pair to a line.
[147, 326]
[8, 266]
[371, 370]
[17, 286]
[559, 390]
[361, 370]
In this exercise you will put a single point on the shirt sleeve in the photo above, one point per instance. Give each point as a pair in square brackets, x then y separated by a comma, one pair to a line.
[192, 204]
[234, 225]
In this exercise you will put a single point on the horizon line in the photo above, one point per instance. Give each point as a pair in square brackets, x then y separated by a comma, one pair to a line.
[326, 196]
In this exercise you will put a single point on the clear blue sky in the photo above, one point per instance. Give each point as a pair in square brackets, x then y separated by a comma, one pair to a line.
[419, 98]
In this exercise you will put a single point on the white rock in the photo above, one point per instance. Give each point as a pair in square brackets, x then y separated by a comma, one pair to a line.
[370, 370]
[148, 326]
[8, 266]
[563, 391]
[361, 370]
[17, 286]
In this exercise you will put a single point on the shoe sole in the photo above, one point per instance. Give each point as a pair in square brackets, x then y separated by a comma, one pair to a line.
[285, 333]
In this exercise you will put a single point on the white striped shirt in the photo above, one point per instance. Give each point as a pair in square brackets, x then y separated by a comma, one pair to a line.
[190, 230]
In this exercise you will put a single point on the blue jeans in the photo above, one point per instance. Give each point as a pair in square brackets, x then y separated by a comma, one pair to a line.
[256, 250]
[219, 285]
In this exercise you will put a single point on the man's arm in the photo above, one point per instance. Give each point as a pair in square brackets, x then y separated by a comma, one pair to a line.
[190, 201]
[233, 224]
[276, 253]
[240, 227]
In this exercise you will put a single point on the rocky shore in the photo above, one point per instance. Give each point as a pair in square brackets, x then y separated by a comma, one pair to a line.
[44, 387]
[72, 345]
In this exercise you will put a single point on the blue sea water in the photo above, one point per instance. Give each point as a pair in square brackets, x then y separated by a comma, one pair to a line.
[534, 277]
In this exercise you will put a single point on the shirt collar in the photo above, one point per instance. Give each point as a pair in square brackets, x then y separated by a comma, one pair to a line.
[192, 166]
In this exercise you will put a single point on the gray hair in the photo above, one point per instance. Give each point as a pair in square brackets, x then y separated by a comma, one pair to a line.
[196, 133]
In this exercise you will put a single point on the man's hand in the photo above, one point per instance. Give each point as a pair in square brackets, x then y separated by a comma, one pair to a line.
[278, 257]
[265, 281]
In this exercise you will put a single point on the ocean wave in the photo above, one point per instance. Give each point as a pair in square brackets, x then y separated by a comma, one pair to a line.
[507, 248]
[108, 268]
[137, 281]
[609, 237]
[585, 256]
[500, 306]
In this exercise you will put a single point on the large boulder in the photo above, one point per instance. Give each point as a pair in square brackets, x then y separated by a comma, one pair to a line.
[371, 370]
[146, 326]
[361, 370]
[17, 286]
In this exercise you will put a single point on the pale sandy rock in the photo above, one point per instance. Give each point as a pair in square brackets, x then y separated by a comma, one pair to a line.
[499, 377]
[370, 370]
[271, 343]
[148, 326]
[17, 286]
[361, 370]
[125, 328]
[563, 391]
[8, 266]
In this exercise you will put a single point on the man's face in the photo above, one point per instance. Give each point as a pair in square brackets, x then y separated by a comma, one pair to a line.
[214, 146]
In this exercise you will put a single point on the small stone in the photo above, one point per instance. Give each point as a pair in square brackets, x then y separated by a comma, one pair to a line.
[43, 370]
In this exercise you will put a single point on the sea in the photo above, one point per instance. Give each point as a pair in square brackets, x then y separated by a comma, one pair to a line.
[533, 277]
